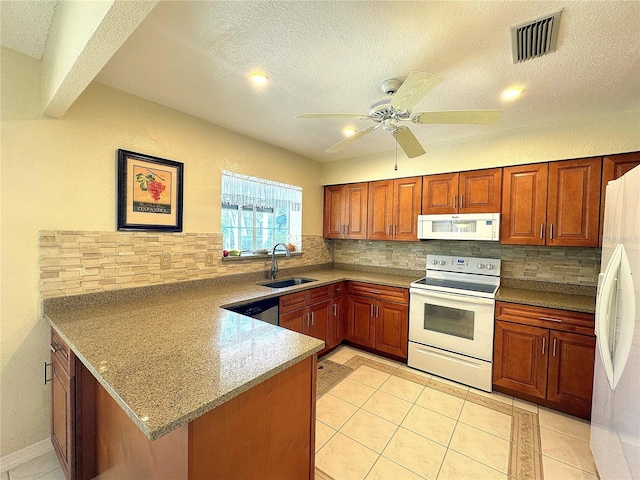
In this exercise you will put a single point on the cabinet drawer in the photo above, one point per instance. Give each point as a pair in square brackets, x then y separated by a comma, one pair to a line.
[554, 319]
[382, 292]
[337, 289]
[293, 301]
[319, 294]
[62, 353]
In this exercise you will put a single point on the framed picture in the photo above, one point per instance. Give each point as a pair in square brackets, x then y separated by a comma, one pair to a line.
[149, 193]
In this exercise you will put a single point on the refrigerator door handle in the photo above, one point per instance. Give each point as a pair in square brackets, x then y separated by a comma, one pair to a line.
[615, 319]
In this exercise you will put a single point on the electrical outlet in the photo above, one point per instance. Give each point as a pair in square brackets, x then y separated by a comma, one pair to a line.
[208, 259]
[165, 261]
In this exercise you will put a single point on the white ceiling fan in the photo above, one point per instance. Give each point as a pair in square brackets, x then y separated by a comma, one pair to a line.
[396, 106]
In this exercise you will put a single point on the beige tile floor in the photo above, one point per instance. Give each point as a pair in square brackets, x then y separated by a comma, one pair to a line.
[374, 426]
[377, 426]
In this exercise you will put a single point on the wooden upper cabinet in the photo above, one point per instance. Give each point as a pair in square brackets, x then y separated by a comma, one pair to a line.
[614, 166]
[394, 206]
[573, 202]
[477, 191]
[480, 191]
[345, 211]
[553, 203]
[440, 194]
[524, 204]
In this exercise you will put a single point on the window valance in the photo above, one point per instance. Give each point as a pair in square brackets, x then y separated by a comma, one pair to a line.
[244, 190]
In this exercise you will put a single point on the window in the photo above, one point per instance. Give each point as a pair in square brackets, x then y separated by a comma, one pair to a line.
[257, 213]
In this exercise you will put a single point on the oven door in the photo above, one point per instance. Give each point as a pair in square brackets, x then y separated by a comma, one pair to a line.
[458, 323]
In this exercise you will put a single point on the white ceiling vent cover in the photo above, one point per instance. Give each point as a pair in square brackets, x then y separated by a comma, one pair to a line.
[535, 38]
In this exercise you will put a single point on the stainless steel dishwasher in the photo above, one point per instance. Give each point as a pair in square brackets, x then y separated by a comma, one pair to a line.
[265, 310]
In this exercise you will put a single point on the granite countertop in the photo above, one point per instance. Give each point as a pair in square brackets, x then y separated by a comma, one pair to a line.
[169, 356]
[575, 298]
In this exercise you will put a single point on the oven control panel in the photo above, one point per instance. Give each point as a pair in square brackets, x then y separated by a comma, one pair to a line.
[447, 263]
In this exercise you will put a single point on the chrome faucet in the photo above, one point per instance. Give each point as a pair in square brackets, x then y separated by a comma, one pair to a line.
[274, 262]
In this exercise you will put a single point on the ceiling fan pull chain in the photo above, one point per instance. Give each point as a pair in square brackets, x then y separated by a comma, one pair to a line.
[396, 167]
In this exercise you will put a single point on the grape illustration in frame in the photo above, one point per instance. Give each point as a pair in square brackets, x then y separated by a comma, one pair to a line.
[149, 192]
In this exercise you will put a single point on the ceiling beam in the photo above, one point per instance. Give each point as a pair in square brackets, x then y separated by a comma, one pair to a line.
[82, 39]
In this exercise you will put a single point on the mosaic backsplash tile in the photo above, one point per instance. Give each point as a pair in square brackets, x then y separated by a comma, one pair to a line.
[571, 265]
[76, 262]
[73, 263]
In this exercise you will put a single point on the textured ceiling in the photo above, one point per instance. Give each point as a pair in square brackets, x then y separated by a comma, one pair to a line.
[332, 56]
[24, 25]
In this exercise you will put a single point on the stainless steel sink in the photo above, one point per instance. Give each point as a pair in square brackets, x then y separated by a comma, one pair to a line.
[287, 282]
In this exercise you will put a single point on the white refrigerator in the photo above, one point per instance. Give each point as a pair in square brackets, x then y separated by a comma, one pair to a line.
[615, 417]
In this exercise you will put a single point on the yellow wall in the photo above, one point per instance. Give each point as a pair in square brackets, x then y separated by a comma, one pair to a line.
[61, 175]
[616, 132]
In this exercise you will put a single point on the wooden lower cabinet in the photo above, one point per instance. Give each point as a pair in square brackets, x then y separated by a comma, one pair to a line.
[308, 312]
[375, 322]
[545, 356]
[267, 432]
[336, 325]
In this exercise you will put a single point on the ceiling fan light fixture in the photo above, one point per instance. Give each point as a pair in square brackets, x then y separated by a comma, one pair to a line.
[512, 93]
[258, 78]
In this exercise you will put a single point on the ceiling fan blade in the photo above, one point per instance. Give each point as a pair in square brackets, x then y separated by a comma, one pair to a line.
[351, 138]
[408, 142]
[333, 115]
[416, 86]
[479, 117]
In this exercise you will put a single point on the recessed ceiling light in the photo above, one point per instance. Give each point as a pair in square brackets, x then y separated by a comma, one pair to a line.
[258, 78]
[349, 131]
[512, 93]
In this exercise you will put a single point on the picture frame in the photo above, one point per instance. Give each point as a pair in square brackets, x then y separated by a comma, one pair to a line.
[150, 192]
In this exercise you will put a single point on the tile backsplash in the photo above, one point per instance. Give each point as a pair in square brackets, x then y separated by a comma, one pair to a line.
[73, 263]
[570, 265]
[78, 262]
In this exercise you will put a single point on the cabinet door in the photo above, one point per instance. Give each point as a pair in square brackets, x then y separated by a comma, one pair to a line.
[392, 328]
[407, 199]
[337, 322]
[614, 166]
[440, 194]
[296, 321]
[480, 191]
[333, 222]
[571, 363]
[380, 210]
[360, 324]
[520, 358]
[319, 318]
[355, 210]
[573, 202]
[524, 204]
[63, 416]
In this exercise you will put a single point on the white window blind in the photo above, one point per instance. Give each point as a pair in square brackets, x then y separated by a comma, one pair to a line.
[240, 189]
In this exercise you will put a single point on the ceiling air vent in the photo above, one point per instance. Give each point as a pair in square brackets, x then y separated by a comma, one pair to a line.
[535, 38]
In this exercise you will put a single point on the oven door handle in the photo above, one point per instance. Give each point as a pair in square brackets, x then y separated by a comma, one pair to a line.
[422, 294]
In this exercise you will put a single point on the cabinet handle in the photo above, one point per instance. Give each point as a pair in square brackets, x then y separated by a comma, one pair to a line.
[372, 310]
[551, 231]
[313, 319]
[377, 311]
[374, 292]
[335, 309]
[395, 229]
[541, 231]
[461, 201]
[557, 320]
[453, 202]
[543, 344]
[47, 380]
[554, 347]
[55, 348]
[388, 230]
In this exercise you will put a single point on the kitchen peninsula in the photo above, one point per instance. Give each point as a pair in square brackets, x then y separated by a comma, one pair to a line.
[179, 387]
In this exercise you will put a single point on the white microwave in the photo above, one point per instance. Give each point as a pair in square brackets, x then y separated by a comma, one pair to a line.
[464, 226]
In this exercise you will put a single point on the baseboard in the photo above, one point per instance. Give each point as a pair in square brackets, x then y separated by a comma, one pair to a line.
[26, 454]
